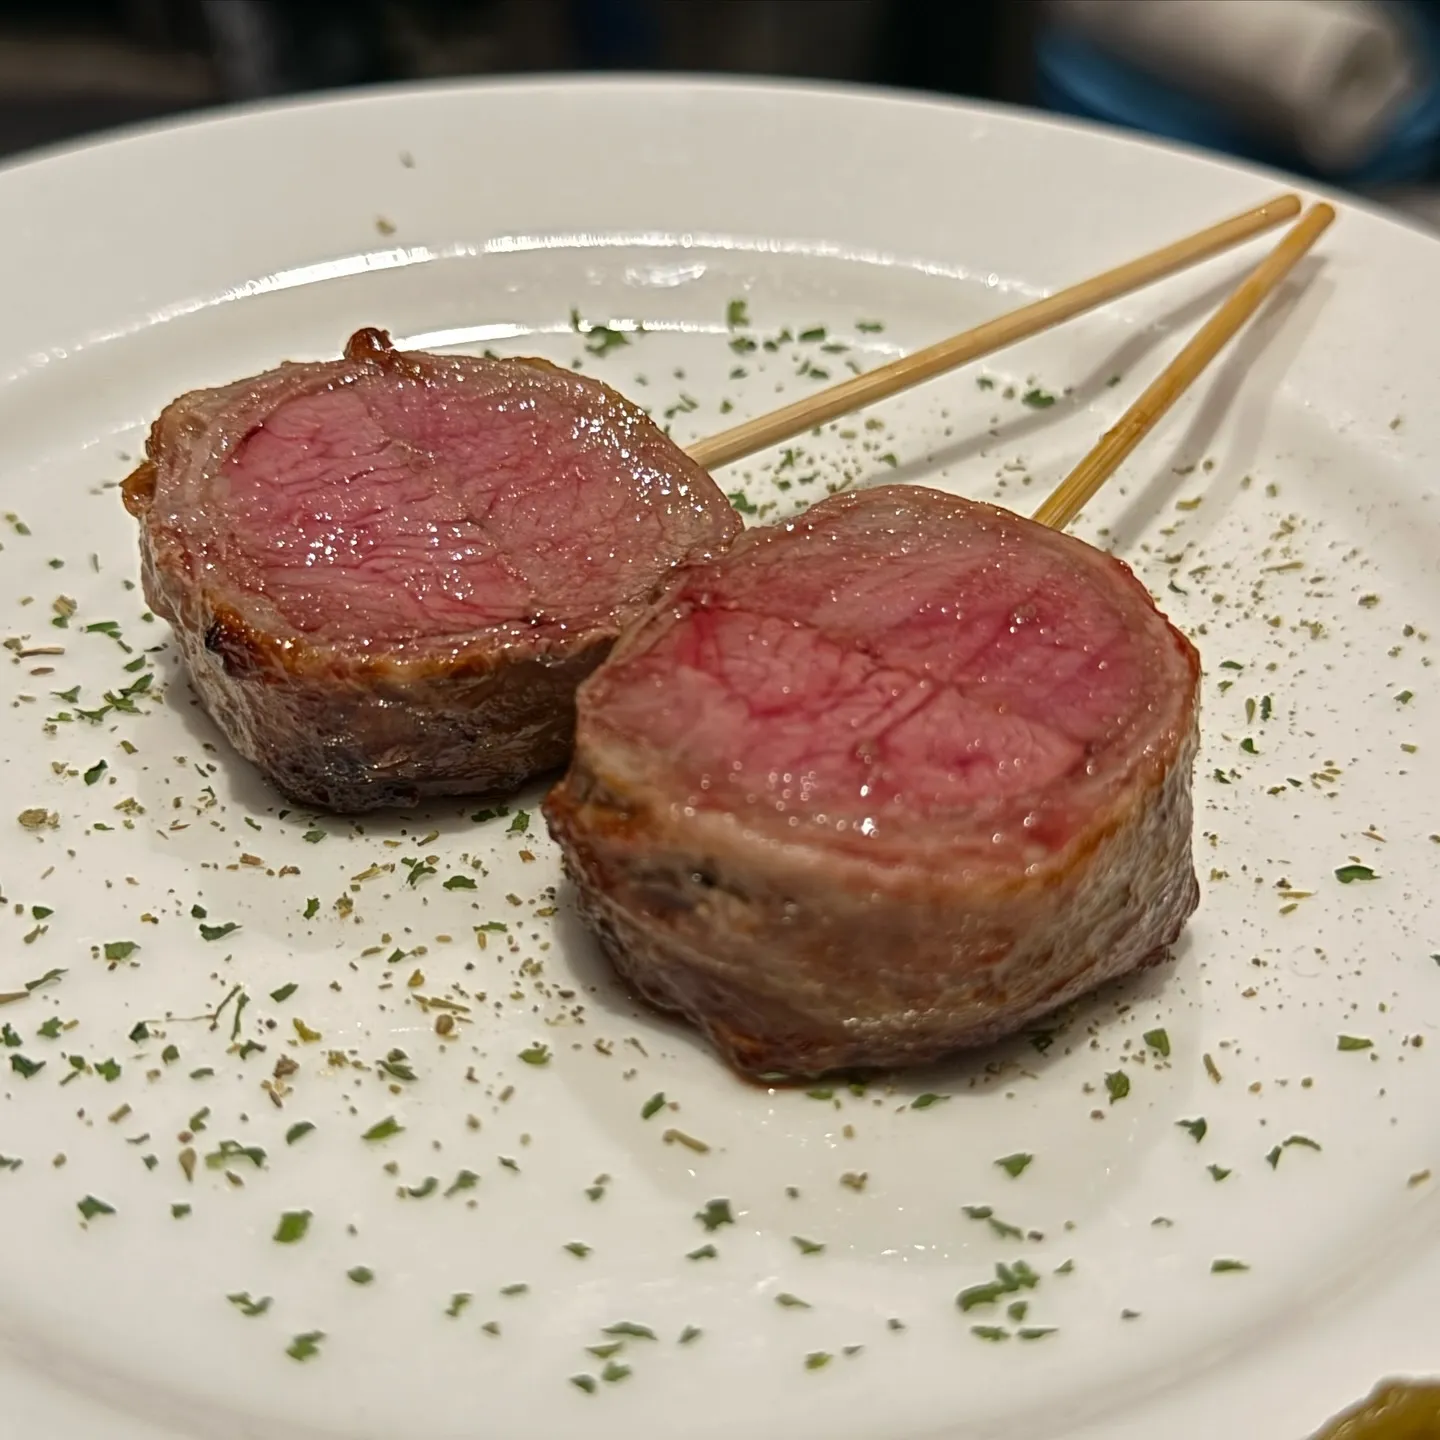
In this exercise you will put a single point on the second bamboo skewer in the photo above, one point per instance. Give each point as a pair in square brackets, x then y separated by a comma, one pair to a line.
[898, 375]
[1076, 490]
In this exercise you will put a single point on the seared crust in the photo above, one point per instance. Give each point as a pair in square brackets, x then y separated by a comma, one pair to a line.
[351, 734]
[352, 729]
[795, 963]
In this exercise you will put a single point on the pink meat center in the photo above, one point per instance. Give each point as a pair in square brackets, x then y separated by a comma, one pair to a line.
[931, 684]
[382, 512]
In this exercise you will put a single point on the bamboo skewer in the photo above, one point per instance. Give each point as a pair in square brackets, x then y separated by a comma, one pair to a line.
[909, 370]
[1076, 490]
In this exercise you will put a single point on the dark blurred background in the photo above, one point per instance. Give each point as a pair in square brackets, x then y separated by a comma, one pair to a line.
[72, 67]
[68, 67]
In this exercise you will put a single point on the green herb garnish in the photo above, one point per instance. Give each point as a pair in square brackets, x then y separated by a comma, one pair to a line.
[1349, 874]
[306, 1346]
[715, 1214]
[465, 1180]
[602, 340]
[1009, 1280]
[397, 1065]
[292, 1227]
[629, 1328]
[418, 870]
[232, 1150]
[1002, 1228]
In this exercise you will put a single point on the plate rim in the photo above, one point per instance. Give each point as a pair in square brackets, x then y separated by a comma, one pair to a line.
[620, 84]
[679, 82]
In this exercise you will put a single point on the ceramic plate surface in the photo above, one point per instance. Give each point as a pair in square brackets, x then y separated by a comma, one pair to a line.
[1227, 1209]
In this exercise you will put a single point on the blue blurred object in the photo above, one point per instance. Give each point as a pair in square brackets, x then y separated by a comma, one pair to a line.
[615, 34]
[1074, 77]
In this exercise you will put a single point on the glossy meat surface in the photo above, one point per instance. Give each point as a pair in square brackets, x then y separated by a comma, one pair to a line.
[890, 780]
[389, 572]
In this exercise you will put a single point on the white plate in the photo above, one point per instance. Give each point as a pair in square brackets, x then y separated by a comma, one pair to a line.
[1301, 473]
